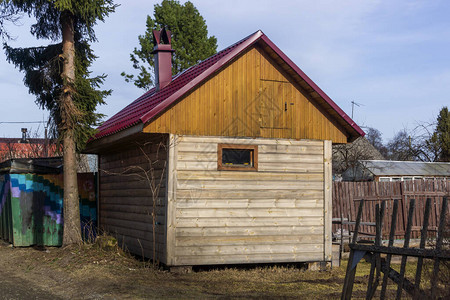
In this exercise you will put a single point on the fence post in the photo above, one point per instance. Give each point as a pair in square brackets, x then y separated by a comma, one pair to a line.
[405, 245]
[391, 242]
[423, 239]
[350, 274]
[439, 241]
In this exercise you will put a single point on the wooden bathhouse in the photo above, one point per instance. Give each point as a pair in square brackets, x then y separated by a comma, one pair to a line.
[241, 144]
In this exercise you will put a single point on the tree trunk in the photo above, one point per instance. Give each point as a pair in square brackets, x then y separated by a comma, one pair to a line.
[72, 227]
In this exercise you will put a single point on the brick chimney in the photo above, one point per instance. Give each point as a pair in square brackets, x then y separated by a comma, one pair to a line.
[163, 57]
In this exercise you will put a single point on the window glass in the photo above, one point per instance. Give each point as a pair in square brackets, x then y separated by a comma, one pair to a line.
[237, 157]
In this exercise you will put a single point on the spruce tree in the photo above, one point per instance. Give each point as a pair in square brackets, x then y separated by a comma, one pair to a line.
[189, 40]
[57, 74]
[441, 135]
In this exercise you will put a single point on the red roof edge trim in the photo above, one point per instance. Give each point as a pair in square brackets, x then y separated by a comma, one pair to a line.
[186, 88]
[313, 85]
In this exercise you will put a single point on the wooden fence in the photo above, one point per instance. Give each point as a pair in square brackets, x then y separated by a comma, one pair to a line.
[380, 255]
[346, 196]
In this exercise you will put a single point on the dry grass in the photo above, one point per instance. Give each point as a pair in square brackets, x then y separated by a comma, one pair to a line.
[97, 271]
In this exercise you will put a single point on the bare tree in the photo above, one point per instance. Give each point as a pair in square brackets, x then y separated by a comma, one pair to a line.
[346, 156]
[427, 141]
[374, 137]
[414, 145]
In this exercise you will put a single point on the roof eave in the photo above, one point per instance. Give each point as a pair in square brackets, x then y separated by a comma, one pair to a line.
[96, 145]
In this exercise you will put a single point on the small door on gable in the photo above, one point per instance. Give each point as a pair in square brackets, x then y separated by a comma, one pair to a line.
[275, 108]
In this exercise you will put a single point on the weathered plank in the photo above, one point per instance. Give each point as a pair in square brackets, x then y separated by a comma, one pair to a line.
[250, 221]
[244, 231]
[246, 176]
[274, 249]
[252, 213]
[249, 203]
[327, 208]
[248, 240]
[171, 198]
[252, 194]
[244, 258]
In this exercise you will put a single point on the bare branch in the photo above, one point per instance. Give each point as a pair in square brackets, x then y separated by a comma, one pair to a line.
[8, 14]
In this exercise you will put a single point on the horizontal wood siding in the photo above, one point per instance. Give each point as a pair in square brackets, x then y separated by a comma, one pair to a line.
[249, 98]
[275, 214]
[126, 201]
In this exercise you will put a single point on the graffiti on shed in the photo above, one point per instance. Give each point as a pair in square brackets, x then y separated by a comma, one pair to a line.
[31, 208]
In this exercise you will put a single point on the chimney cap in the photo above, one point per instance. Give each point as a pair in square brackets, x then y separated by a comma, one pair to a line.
[163, 35]
[24, 135]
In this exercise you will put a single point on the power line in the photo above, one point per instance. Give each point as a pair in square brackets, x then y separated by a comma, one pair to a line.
[28, 122]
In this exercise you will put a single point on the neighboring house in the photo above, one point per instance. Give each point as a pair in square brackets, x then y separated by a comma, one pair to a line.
[25, 147]
[386, 170]
[11, 148]
[241, 146]
[346, 156]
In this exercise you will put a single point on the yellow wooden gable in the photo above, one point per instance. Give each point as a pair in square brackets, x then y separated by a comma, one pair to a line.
[250, 97]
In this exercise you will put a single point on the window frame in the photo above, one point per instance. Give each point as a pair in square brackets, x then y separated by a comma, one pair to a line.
[222, 167]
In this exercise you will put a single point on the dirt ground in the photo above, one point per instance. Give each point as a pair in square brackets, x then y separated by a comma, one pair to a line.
[88, 272]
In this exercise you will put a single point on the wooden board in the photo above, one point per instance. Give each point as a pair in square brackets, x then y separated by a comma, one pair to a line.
[328, 200]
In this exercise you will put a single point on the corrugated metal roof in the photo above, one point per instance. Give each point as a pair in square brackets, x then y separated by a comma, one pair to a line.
[153, 102]
[408, 168]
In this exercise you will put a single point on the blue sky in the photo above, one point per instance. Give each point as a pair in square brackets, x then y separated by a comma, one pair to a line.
[393, 57]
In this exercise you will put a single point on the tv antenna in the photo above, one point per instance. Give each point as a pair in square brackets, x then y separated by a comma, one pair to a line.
[357, 104]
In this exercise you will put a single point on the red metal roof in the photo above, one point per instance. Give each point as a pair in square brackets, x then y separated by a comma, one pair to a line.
[153, 102]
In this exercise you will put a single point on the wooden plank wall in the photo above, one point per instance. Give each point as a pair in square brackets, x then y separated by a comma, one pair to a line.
[249, 98]
[275, 214]
[125, 200]
[346, 196]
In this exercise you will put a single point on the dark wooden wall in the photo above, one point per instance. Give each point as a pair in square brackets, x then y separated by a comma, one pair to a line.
[126, 201]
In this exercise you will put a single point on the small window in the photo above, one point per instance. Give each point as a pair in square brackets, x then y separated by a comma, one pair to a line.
[385, 179]
[237, 157]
